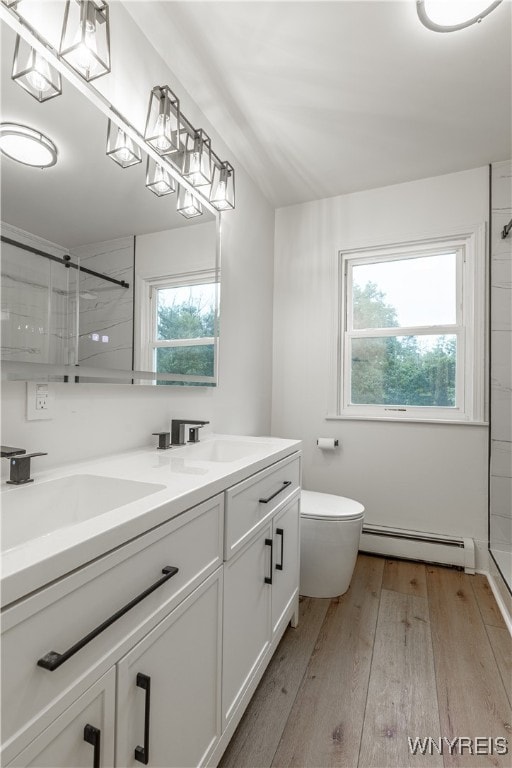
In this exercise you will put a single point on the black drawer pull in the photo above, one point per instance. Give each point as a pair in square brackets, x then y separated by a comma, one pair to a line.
[279, 490]
[280, 532]
[269, 543]
[92, 736]
[142, 753]
[52, 660]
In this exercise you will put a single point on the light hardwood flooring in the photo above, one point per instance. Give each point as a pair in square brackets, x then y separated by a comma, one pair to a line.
[411, 650]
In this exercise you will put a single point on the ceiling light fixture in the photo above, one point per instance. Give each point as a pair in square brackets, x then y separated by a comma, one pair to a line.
[121, 148]
[158, 179]
[85, 39]
[31, 70]
[452, 15]
[27, 146]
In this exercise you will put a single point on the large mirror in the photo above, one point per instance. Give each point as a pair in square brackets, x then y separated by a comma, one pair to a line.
[97, 271]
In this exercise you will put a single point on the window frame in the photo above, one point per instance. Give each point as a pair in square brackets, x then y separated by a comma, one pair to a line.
[150, 343]
[469, 328]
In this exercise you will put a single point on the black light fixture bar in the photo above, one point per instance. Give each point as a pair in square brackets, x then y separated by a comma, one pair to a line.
[64, 260]
[506, 229]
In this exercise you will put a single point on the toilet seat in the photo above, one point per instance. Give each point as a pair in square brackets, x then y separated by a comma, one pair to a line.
[327, 506]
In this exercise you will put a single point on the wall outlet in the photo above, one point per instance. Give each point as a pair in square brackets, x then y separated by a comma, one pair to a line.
[39, 401]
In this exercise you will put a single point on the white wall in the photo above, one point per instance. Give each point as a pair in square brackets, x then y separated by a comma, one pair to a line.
[95, 419]
[409, 475]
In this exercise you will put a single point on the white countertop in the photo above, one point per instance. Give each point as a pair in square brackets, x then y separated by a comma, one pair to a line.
[187, 480]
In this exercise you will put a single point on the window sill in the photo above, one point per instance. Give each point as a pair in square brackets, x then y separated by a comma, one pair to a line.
[407, 420]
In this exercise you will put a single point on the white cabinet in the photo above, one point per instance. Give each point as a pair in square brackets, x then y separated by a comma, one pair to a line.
[82, 737]
[260, 598]
[149, 654]
[247, 615]
[173, 677]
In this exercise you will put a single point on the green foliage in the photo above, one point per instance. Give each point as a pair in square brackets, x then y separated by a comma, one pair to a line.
[398, 370]
[187, 320]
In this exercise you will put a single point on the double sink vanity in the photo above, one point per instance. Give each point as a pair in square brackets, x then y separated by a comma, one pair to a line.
[143, 595]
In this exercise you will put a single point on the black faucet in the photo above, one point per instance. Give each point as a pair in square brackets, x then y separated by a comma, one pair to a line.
[19, 461]
[178, 430]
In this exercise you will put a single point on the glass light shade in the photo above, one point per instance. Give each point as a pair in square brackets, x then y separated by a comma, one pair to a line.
[27, 146]
[85, 40]
[163, 123]
[452, 15]
[188, 205]
[121, 148]
[197, 159]
[31, 70]
[222, 193]
[158, 179]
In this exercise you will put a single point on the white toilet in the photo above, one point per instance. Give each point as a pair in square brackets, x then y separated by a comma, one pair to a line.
[329, 540]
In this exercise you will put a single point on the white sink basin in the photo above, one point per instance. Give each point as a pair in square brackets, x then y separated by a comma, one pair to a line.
[38, 509]
[223, 450]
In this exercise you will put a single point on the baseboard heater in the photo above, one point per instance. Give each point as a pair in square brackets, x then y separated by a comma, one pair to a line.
[418, 545]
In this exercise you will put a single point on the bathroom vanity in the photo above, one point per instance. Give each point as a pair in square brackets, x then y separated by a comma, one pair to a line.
[138, 634]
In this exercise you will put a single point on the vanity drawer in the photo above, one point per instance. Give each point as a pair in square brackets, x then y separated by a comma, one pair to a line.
[253, 501]
[62, 614]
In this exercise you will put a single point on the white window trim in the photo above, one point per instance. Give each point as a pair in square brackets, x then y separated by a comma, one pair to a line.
[147, 345]
[471, 351]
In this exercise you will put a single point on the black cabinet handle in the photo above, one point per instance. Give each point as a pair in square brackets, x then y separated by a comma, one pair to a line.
[279, 490]
[280, 532]
[52, 660]
[92, 736]
[142, 753]
[270, 543]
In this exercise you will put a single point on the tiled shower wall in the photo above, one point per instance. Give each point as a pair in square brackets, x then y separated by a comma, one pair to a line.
[500, 480]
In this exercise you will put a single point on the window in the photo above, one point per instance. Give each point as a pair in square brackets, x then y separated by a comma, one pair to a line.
[412, 331]
[183, 328]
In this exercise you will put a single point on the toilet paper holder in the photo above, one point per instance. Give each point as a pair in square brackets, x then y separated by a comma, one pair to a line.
[327, 443]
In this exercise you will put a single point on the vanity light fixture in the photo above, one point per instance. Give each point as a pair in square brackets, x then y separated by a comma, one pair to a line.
[158, 179]
[85, 39]
[27, 146]
[444, 16]
[163, 123]
[222, 193]
[197, 159]
[188, 205]
[121, 148]
[31, 70]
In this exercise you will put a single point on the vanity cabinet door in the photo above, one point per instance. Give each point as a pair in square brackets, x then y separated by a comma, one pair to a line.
[285, 565]
[247, 616]
[168, 689]
[81, 737]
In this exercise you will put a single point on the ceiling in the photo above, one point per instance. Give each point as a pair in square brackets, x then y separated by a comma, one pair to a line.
[322, 98]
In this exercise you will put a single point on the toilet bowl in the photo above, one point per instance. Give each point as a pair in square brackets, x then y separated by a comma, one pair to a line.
[329, 540]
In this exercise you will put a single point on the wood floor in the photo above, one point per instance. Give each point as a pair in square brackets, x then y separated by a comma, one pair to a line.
[410, 650]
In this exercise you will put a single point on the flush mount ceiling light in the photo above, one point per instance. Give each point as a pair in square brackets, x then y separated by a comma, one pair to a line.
[27, 146]
[452, 15]
[85, 39]
[34, 74]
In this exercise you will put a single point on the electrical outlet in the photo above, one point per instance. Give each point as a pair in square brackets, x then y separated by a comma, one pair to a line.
[39, 401]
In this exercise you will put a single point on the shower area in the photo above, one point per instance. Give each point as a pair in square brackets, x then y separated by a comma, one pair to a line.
[500, 465]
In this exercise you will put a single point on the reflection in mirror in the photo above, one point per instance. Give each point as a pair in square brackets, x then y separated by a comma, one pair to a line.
[124, 238]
